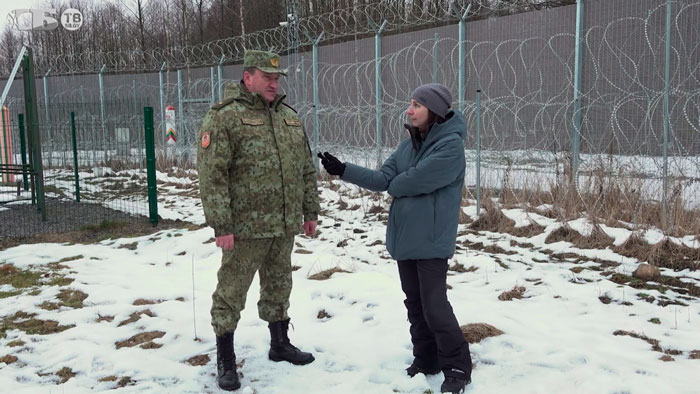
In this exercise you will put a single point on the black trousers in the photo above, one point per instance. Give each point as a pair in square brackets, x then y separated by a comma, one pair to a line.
[435, 333]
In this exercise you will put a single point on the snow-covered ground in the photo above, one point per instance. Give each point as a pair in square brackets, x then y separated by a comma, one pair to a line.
[557, 339]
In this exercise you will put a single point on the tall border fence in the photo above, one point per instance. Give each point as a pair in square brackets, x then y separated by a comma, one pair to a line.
[594, 96]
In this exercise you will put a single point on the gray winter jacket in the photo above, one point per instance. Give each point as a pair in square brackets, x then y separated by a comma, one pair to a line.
[427, 190]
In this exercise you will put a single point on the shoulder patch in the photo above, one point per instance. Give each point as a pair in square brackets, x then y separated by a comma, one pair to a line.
[206, 139]
[293, 122]
[222, 104]
[289, 106]
[252, 121]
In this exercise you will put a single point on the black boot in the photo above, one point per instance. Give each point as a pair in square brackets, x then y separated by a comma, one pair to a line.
[226, 363]
[280, 347]
[455, 382]
[414, 369]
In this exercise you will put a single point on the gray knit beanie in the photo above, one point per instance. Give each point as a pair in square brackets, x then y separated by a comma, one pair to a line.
[435, 97]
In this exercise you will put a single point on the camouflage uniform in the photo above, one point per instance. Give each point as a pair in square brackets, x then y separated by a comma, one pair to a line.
[257, 182]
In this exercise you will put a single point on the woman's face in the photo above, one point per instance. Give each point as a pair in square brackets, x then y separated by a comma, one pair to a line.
[417, 114]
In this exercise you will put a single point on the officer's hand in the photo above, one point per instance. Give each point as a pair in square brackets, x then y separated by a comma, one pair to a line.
[225, 242]
[331, 163]
[309, 227]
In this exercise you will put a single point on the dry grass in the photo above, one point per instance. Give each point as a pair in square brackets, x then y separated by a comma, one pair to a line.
[136, 316]
[598, 239]
[8, 359]
[653, 342]
[326, 274]
[26, 322]
[139, 339]
[517, 292]
[665, 253]
[65, 374]
[198, 361]
[476, 332]
[493, 220]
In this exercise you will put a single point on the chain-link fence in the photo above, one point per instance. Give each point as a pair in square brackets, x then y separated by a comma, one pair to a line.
[611, 122]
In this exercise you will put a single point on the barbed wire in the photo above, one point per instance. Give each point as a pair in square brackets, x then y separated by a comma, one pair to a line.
[358, 20]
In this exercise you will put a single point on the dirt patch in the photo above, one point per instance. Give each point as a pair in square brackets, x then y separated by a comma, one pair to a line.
[198, 361]
[664, 283]
[322, 314]
[461, 268]
[72, 298]
[19, 278]
[303, 251]
[517, 292]
[139, 339]
[142, 301]
[326, 274]
[129, 246]
[136, 316]
[653, 342]
[151, 345]
[8, 359]
[26, 322]
[376, 243]
[694, 355]
[65, 374]
[101, 318]
[476, 332]
[15, 343]
[123, 227]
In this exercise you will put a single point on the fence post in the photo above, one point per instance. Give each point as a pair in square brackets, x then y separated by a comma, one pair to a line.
[478, 152]
[576, 134]
[314, 51]
[162, 103]
[23, 151]
[102, 112]
[462, 54]
[378, 91]
[49, 137]
[151, 165]
[180, 106]
[35, 137]
[220, 70]
[75, 157]
[667, 120]
[435, 58]
[213, 87]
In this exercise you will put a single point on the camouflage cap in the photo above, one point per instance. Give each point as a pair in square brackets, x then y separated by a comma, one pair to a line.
[268, 62]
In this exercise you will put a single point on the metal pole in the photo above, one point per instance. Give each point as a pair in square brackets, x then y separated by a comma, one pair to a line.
[478, 152]
[48, 119]
[151, 165]
[667, 120]
[162, 103]
[179, 103]
[213, 87]
[462, 55]
[378, 88]
[221, 78]
[102, 110]
[435, 58]
[33, 123]
[316, 126]
[8, 83]
[303, 81]
[75, 157]
[23, 150]
[576, 137]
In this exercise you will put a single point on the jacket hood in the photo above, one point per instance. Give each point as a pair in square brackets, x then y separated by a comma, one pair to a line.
[454, 124]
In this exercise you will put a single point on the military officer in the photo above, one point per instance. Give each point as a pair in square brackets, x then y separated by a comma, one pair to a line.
[258, 188]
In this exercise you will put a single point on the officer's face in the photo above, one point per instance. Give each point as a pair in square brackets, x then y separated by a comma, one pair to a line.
[417, 114]
[262, 83]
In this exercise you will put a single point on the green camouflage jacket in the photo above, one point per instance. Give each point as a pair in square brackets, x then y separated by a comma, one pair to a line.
[256, 173]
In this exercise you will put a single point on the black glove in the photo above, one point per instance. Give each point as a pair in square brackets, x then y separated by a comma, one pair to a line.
[331, 163]
[415, 135]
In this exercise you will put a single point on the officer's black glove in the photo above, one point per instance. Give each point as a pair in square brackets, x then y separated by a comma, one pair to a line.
[331, 163]
[415, 135]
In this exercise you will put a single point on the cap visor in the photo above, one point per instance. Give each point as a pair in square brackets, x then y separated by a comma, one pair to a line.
[272, 70]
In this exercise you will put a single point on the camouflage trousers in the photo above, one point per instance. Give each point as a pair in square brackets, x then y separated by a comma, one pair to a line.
[271, 257]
